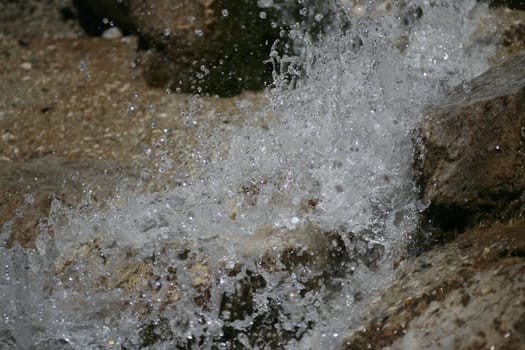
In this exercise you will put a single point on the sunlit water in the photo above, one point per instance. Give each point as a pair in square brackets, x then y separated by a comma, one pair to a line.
[286, 227]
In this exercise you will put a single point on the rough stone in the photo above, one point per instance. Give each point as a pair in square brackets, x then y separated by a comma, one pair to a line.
[211, 46]
[196, 48]
[471, 159]
[28, 19]
[29, 188]
[149, 284]
[467, 294]
[84, 98]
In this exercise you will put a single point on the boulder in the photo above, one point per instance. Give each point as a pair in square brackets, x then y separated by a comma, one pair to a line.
[216, 47]
[466, 294]
[210, 46]
[177, 276]
[471, 157]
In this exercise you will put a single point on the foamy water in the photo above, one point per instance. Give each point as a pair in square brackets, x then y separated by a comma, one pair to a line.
[325, 168]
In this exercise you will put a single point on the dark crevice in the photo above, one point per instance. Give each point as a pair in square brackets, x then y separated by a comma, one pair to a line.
[67, 14]
[96, 20]
[448, 218]
[512, 4]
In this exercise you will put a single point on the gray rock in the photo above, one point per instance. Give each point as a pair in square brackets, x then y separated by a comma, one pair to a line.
[32, 19]
[471, 159]
[7, 341]
[52, 344]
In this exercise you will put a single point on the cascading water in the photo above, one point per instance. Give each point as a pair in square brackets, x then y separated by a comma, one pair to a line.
[283, 230]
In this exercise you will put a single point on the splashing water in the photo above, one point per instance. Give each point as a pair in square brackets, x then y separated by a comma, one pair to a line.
[288, 225]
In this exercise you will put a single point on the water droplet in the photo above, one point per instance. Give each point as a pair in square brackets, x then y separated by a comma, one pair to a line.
[131, 110]
[82, 66]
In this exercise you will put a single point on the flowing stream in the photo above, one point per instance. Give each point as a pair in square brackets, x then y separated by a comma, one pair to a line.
[285, 228]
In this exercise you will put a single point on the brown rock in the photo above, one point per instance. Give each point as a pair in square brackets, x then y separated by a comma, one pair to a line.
[28, 189]
[29, 19]
[204, 46]
[467, 294]
[214, 47]
[471, 159]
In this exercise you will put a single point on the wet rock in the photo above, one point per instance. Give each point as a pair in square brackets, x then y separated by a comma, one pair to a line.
[467, 294]
[178, 277]
[53, 344]
[155, 332]
[471, 159]
[304, 246]
[7, 341]
[217, 47]
[197, 48]
[503, 29]
[84, 98]
[513, 4]
[29, 188]
[310, 261]
[514, 38]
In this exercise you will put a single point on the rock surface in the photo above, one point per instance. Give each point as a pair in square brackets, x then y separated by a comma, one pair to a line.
[32, 18]
[212, 46]
[201, 46]
[468, 293]
[28, 190]
[472, 155]
[75, 109]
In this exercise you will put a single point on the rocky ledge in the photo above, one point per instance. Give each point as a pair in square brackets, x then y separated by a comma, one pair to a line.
[466, 289]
